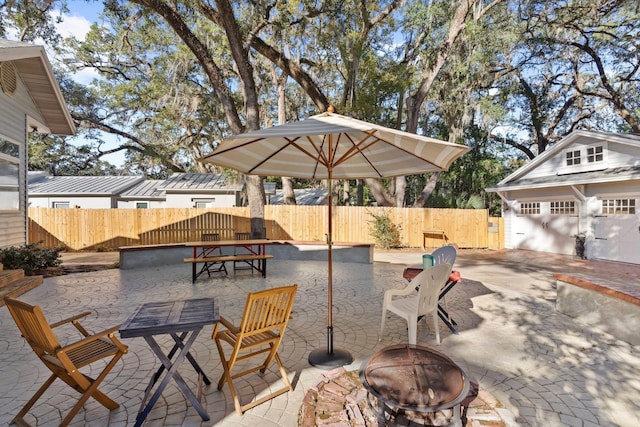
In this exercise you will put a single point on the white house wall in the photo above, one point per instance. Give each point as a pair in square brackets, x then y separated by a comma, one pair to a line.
[131, 204]
[187, 200]
[82, 202]
[13, 121]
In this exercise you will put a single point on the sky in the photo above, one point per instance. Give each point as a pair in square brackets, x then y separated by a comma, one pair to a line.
[77, 23]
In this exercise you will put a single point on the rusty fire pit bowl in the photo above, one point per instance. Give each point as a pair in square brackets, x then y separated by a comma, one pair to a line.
[414, 378]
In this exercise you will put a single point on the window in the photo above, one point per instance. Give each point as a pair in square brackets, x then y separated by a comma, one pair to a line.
[530, 208]
[595, 154]
[64, 205]
[563, 208]
[142, 205]
[573, 157]
[619, 207]
[203, 203]
[9, 175]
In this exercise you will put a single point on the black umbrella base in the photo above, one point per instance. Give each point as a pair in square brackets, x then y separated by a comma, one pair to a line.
[322, 359]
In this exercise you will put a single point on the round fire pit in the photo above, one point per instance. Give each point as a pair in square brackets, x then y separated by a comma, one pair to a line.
[409, 383]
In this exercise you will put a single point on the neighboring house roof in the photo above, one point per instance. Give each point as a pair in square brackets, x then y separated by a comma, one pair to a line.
[518, 180]
[35, 71]
[82, 185]
[304, 197]
[148, 189]
[197, 182]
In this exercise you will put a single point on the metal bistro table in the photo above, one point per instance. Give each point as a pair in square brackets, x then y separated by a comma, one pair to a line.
[183, 320]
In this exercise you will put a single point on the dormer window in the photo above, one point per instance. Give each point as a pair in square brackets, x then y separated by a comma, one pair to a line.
[584, 158]
[573, 157]
[595, 154]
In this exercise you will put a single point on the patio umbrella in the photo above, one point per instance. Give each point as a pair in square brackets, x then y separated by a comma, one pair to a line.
[331, 146]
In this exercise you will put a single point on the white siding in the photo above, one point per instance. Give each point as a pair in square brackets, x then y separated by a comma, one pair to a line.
[12, 231]
[13, 110]
[186, 200]
[82, 202]
[129, 204]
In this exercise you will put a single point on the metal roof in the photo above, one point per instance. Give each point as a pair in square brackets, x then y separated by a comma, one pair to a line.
[35, 71]
[304, 197]
[148, 189]
[190, 182]
[82, 185]
[607, 175]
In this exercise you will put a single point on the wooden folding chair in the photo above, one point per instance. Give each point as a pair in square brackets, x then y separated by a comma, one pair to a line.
[213, 267]
[241, 251]
[264, 321]
[65, 361]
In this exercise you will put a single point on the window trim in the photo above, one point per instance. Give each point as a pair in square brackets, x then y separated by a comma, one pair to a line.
[584, 164]
[530, 208]
[12, 189]
[563, 207]
[56, 204]
[615, 209]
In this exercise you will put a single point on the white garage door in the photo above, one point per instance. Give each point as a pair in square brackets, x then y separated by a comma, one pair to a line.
[546, 227]
[617, 232]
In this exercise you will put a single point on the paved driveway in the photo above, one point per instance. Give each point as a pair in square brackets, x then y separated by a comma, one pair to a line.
[542, 366]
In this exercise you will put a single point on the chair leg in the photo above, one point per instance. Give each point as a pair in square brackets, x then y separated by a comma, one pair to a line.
[90, 387]
[18, 419]
[412, 323]
[383, 321]
[435, 325]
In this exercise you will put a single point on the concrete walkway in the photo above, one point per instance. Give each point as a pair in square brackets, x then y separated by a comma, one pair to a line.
[544, 368]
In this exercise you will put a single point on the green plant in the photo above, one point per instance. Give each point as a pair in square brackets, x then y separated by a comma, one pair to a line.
[385, 233]
[30, 258]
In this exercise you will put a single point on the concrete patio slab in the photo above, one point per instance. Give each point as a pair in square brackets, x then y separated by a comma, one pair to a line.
[544, 368]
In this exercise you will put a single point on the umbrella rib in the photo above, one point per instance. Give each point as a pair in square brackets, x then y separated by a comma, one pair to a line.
[359, 147]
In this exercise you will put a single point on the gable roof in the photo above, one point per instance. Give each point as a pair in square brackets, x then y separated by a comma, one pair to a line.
[81, 185]
[197, 182]
[147, 189]
[304, 197]
[515, 180]
[35, 71]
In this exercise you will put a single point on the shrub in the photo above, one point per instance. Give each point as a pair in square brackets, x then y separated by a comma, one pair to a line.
[385, 233]
[30, 258]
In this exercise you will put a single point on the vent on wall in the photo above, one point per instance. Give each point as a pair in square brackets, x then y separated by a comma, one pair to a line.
[8, 78]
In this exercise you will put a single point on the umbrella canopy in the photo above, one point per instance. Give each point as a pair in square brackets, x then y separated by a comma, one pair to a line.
[329, 146]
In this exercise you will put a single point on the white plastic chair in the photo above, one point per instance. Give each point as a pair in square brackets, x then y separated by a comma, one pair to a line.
[412, 306]
[445, 255]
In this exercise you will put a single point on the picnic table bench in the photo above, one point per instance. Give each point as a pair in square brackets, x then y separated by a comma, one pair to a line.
[203, 253]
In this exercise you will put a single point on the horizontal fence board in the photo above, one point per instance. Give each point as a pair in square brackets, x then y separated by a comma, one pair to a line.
[96, 229]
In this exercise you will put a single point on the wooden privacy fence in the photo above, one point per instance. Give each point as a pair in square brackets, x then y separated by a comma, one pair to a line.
[91, 229]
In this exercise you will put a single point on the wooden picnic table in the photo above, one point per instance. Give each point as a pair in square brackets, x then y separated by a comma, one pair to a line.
[209, 253]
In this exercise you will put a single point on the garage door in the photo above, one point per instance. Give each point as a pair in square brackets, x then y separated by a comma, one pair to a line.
[553, 229]
[617, 232]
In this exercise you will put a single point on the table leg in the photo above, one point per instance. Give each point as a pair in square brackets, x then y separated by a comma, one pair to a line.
[172, 372]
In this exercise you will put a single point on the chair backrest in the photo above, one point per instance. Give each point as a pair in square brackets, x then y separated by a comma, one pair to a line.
[444, 255]
[268, 310]
[242, 236]
[210, 237]
[430, 282]
[34, 326]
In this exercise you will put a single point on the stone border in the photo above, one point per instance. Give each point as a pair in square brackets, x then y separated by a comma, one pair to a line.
[606, 304]
[339, 399]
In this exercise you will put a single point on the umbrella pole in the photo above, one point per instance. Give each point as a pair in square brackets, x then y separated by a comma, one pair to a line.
[330, 357]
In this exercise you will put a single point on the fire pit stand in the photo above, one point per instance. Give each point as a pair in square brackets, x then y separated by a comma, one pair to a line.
[411, 385]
